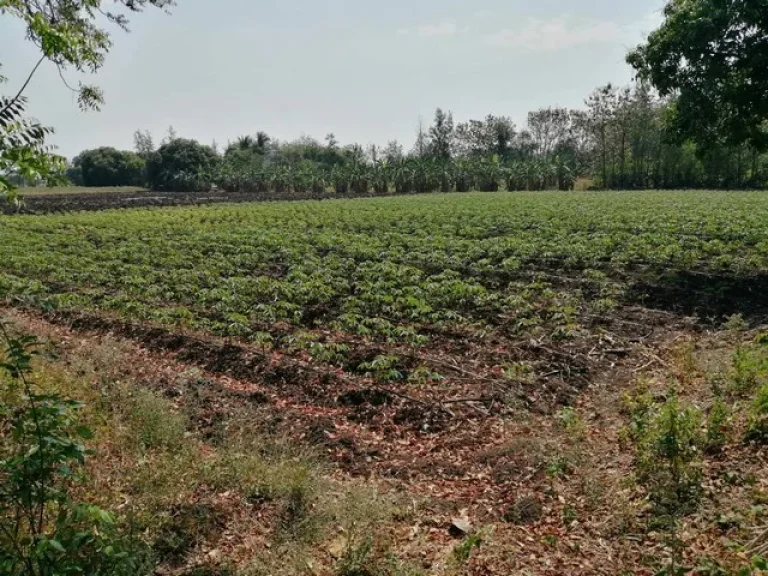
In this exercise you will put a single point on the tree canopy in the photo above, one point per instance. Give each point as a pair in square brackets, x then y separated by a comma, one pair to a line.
[109, 167]
[712, 55]
[177, 165]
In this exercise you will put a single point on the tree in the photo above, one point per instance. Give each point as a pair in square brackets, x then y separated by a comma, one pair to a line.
[170, 135]
[441, 135]
[713, 56]
[143, 143]
[393, 152]
[484, 138]
[549, 127]
[422, 142]
[601, 107]
[109, 167]
[262, 142]
[181, 166]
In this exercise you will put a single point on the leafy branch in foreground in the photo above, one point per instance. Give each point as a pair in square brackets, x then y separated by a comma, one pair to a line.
[43, 529]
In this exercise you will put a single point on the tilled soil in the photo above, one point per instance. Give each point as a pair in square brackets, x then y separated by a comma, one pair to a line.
[96, 201]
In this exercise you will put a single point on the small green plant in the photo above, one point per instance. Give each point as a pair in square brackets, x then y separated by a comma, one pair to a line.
[521, 372]
[463, 550]
[559, 467]
[264, 341]
[746, 369]
[423, 375]
[570, 421]
[638, 404]
[152, 423]
[757, 430]
[668, 462]
[382, 368]
[357, 560]
[736, 324]
[718, 420]
[570, 515]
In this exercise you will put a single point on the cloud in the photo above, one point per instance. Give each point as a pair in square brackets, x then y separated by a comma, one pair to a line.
[559, 33]
[483, 14]
[637, 32]
[442, 29]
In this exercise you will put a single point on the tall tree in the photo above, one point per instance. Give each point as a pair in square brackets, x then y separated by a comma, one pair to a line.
[143, 143]
[393, 151]
[548, 127]
[422, 141]
[712, 55]
[601, 108]
[441, 135]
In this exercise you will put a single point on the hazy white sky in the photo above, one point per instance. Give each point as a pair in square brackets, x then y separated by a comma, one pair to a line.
[366, 70]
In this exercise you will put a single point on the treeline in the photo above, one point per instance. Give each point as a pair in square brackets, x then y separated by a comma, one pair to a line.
[621, 139]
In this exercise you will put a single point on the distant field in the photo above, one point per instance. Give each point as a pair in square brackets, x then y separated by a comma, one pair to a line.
[43, 191]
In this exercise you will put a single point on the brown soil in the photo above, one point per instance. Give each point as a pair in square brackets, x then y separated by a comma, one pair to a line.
[554, 501]
[96, 201]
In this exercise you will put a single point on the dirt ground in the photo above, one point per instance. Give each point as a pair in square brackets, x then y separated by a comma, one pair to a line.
[541, 470]
[93, 201]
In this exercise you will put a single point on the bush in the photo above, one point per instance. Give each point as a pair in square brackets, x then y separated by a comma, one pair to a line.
[181, 166]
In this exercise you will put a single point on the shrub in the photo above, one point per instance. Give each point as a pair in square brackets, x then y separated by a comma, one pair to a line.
[668, 457]
[45, 530]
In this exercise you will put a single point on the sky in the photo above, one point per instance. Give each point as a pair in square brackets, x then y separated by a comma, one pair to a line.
[365, 70]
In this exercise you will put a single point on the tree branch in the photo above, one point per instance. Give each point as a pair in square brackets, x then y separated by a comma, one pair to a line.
[13, 100]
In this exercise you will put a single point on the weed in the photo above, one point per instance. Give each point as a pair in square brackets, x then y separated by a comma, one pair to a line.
[463, 550]
[570, 515]
[151, 420]
[686, 365]
[570, 421]
[423, 375]
[638, 405]
[383, 368]
[357, 560]
[736, 325]
[559, 467]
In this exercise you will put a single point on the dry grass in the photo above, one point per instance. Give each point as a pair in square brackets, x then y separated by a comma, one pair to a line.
[248, 504]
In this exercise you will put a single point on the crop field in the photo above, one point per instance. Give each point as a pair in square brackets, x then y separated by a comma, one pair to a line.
[443, 343]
